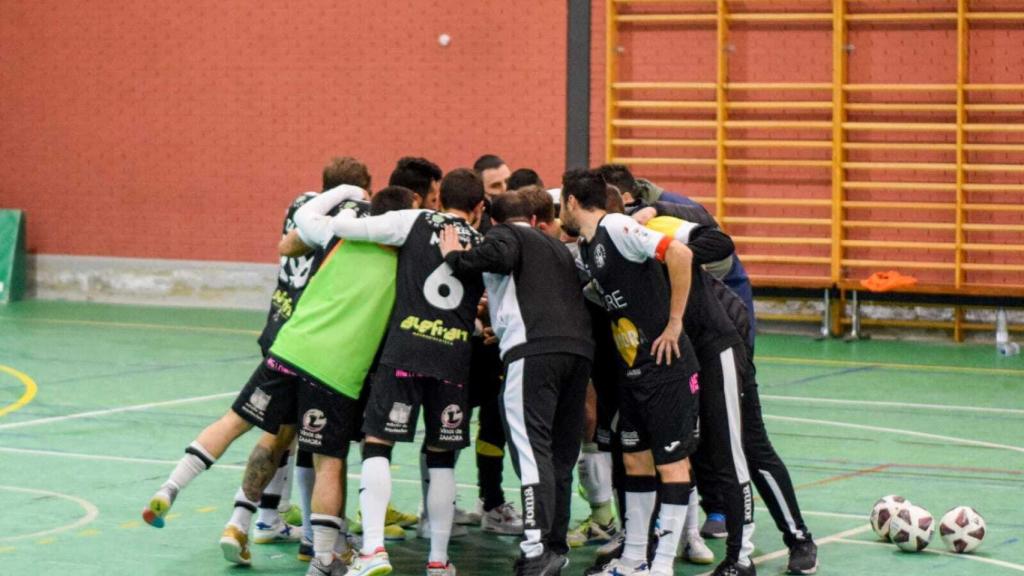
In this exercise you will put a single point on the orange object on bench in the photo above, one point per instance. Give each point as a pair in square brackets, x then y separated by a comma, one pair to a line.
[886, 281]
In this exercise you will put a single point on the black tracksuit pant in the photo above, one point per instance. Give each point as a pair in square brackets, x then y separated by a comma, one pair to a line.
[767, 469]
[542, 404]
[719, 460]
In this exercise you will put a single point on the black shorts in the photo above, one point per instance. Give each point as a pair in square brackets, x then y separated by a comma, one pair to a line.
[486, 372]
[330, 420]
[661, 417]
[394, 406]
[269, 398]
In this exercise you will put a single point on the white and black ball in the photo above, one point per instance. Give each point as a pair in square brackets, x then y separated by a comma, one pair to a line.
[912, 528]
[883, 512]
[962, 529]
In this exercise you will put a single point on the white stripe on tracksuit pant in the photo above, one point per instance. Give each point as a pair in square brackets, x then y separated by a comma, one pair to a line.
[720, 459]
[543, 406]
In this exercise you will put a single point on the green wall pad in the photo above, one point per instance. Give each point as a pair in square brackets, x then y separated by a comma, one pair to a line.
[12, 255]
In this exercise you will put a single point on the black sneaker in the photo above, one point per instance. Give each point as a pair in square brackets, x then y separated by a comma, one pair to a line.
[547, 564]
[803, 558]
[732, 568]
[607, 553]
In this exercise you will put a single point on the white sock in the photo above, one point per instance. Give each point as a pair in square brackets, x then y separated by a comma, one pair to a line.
[306, 477]
[671, 519]
[195, 461]
[424, 484]
[270, 503]
[241, 518]
[325, 536]
[693, 513]
[595, 469]
[441, 509]
[639, 509]
[374, 495]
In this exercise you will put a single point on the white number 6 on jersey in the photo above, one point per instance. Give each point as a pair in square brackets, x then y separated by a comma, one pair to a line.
[442, 289]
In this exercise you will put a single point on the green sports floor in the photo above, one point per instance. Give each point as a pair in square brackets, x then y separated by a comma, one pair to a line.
[97, 403]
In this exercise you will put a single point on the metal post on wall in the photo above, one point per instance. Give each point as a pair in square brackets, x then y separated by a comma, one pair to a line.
[577, 101]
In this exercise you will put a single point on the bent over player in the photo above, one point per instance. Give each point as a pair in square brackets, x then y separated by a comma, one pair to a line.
[658, 396]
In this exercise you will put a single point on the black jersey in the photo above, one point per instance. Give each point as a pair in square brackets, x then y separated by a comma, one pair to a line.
[435, 311]
[295, 272]
[291, 280]
[623, 259]
[533, 292]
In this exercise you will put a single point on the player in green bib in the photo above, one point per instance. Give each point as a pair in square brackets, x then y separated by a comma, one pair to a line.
[331, 340]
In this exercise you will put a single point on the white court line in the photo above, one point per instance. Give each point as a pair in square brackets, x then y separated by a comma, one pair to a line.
[943, 407]
[763, 510]
[218, 466]
[953, 439]
[94, 413]
[91, 513]
[820, 542]
[993, 561]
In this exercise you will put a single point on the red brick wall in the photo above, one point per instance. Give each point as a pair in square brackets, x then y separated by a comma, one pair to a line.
[183, 129]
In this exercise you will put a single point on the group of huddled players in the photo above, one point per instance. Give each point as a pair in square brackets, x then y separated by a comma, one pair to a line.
[584, 323]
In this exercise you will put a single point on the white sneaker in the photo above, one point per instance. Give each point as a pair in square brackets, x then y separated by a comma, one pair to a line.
[619, 568]
[504, 519]
[439, 569]
[335, 568]
[279, 531]
[376, 564]
[693, 549]
[464, 517]
[423, 529]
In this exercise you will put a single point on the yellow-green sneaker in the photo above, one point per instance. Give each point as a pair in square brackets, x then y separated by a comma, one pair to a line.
[159, 506]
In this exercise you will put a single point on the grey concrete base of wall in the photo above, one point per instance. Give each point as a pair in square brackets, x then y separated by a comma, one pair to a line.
[195, 283]
[1015, 316]
[190, 283]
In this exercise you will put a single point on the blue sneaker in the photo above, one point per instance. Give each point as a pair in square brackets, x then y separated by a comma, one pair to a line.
[714, 526]
[279, 531]
[305, 550]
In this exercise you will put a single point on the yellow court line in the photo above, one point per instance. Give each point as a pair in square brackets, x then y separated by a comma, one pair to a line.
[30, 390]
[186, 327]
[890, 365]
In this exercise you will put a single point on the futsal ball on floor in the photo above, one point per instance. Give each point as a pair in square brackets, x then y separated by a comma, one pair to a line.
[884, 511]
[962, 529]
[912, 528]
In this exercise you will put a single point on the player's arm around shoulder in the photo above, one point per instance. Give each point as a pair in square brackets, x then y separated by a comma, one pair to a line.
[391, 228]
[311, 220]
[497, 254]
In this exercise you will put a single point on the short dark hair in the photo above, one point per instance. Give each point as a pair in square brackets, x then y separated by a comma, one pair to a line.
[487, 162]
[587, 187]
[619, 176]
[416, 174]
[524, 177]
[461, 189]
[541, 204]
[346, 170]
[391, 198]
[511, 205]
[614, 205]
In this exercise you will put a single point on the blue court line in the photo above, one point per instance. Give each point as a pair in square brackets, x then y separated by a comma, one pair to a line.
[817, 377]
